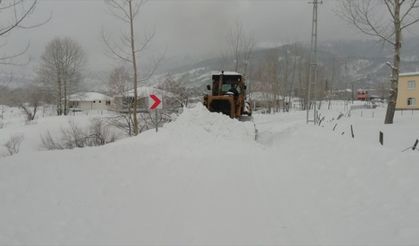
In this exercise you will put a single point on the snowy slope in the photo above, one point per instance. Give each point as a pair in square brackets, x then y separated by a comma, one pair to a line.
[203, 180]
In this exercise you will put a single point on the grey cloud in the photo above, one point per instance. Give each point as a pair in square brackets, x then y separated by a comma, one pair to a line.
[183, 27]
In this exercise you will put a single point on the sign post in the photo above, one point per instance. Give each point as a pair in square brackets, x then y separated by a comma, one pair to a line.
[381, 138]
[156, 104]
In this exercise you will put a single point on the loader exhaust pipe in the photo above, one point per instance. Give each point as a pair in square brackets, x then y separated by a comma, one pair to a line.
[220, 83]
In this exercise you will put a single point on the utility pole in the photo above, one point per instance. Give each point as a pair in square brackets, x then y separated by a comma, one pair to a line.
[312, 78]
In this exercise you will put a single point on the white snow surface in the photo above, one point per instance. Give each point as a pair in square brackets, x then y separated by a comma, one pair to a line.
[225, 73]
[32, 132]
[409, 74]
[203, 180]
[88, 96]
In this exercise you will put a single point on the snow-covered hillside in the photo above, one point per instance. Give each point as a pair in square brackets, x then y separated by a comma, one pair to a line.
[358, 63]
[204, 180]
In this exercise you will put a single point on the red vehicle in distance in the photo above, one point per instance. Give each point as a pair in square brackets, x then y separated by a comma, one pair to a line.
[362, 95]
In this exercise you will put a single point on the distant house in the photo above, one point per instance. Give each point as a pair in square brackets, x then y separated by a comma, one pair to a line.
[84, 101]
[122, 102]
[408, 92]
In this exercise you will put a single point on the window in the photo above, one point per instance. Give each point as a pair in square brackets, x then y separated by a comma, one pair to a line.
[108, 102]
[73, 104]
[100, 101]
[229, 87]
[411, 101]
[411, 85]
[94, 101]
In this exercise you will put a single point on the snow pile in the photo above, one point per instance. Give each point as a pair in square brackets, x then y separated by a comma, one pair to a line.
[10, 116]
[199, 123]
[14, 116]
[203, 180]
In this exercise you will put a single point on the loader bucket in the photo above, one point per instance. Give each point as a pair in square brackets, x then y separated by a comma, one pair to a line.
[222, 106]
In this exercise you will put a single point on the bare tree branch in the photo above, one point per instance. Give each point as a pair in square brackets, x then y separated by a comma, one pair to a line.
[128, 11]
[17, 11]
[113, 49]
[8, 59]
[18, 19]
[241, 45]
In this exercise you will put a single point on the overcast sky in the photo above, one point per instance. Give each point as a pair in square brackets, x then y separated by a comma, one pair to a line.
[184, 28]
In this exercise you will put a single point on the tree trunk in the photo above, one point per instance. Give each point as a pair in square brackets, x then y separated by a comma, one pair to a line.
[59, 98]
[391, 108]
[65, 98]
[134, 64]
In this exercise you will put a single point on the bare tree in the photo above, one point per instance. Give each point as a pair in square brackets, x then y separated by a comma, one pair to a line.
[61, 69]
[269, 86]
[302, 77]
[128, 51]
[271, 75]
[241, 45]
[119, 81]
[367, 16]
[119, 85]
[180, 94]
[291, 84]
[28, 99]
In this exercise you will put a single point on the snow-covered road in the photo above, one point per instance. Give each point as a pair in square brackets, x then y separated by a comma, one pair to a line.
[203, 180]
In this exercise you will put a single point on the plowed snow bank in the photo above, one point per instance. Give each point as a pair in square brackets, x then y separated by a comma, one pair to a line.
[199, 124]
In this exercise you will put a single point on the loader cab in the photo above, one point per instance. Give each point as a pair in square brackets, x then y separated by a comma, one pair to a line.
[227, 83]
[227, 94]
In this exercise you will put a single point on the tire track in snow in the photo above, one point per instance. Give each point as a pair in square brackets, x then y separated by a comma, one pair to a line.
[269, 135]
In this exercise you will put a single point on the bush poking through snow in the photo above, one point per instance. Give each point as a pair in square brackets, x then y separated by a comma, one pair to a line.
[100, 134]
[13, 144]
[146, 122]
[75, 137]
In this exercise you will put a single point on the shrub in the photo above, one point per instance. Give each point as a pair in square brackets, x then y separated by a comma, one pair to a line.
[97, 134]
[13, 144]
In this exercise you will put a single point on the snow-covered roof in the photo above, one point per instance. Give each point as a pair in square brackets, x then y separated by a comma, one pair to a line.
[146, 91]
[226, 73]
[260, 96]
[88, 96]
[409, 74]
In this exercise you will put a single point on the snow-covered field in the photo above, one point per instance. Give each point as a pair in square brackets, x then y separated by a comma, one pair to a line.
[204, 180]
[14, 124]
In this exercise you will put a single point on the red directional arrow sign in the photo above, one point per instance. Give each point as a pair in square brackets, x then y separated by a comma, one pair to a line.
[156, 101]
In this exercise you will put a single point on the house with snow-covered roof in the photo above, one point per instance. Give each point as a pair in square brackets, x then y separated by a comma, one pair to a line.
[408, 91]
[84, 101]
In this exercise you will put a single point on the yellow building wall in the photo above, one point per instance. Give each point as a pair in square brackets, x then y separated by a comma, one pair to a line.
[404, 92]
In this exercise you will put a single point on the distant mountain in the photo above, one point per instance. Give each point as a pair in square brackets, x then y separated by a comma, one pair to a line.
[14, 79]
[362, 63]
[341, 63]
